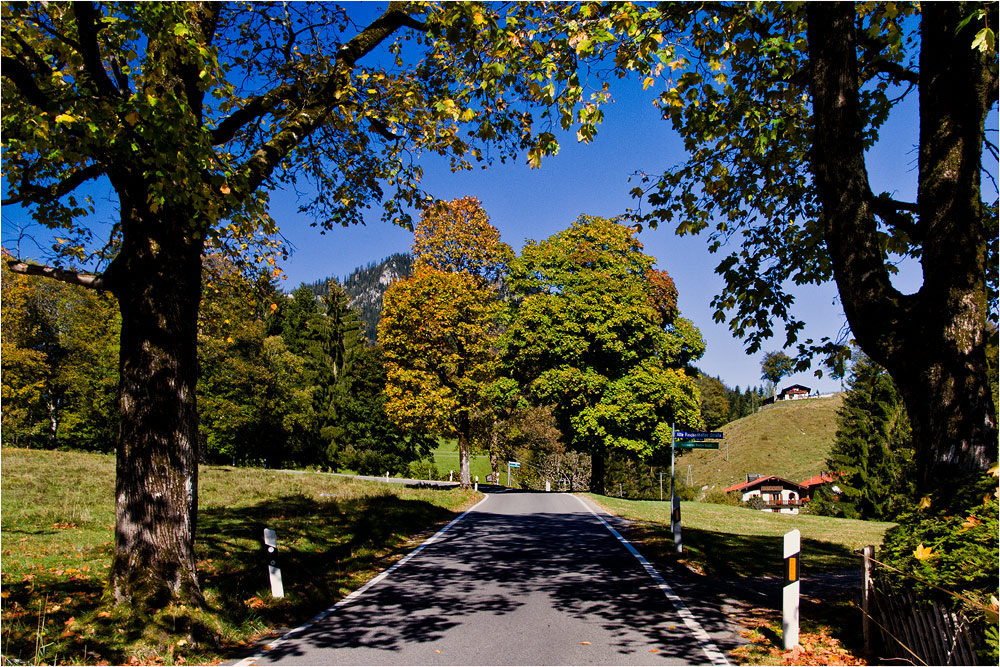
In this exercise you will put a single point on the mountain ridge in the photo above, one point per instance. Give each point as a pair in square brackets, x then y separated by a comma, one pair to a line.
[366, 286]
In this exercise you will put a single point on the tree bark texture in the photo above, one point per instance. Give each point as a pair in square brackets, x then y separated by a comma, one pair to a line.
[157, 452]
[933, 343]
[598, 467]
[495, 465]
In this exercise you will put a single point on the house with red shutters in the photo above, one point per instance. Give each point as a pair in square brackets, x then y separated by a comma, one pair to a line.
[794, 393]
[776, 493]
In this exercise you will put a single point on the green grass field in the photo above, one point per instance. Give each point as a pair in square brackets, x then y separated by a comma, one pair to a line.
[58, 528]
[791, 440]
[446, 458]
[57, 535]
[726, 541]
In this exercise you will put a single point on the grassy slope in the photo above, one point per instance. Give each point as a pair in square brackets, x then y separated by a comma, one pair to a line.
[735, 541]
[791, 439]
[58, 527]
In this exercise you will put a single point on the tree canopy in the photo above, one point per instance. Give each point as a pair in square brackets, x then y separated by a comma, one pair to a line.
[774, 366]
[60, 364]
[192, 112]
[778, 105]
[593, 336]
[457, 236]
[439, 326]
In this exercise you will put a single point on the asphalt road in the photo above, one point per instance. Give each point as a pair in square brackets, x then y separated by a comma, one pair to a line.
[521, 579]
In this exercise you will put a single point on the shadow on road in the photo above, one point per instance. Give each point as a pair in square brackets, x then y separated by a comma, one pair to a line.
[501, 565]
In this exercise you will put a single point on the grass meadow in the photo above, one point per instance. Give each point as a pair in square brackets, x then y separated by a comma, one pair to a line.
[791, 439]
[334, 533]
[57, 535]
[446, 458]
[725, 541]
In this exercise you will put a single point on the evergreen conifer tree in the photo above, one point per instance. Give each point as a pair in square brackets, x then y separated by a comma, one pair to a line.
[872, 454]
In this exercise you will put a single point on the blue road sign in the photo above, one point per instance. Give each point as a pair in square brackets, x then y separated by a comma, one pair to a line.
[699, 435]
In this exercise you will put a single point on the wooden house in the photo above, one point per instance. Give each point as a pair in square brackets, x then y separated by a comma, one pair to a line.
[793, 393]
[776, 493]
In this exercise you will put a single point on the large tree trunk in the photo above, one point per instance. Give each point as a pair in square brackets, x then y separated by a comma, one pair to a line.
[495, 465]
[157, 457]
[598, 466]
[931, 342]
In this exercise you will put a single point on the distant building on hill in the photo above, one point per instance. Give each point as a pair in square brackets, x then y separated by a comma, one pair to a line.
[795, 392]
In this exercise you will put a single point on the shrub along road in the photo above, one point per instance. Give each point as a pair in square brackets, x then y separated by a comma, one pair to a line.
[522, 578]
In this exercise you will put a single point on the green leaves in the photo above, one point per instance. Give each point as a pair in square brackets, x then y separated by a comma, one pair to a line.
[60, 364]
[596, 334]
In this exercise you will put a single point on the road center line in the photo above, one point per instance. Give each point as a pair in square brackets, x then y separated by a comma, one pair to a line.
[291, 634]
[712, 652]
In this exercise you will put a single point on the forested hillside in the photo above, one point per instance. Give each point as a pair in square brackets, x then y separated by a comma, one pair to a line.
[366, 285]
[721, 404]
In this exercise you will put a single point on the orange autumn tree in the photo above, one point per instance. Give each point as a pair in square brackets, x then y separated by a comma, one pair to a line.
[439, 326]
[457, 237]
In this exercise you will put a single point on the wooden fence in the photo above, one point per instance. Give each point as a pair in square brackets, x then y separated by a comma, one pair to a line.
[897, 626]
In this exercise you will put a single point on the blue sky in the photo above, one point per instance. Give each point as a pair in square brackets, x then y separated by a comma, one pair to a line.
[594, 179]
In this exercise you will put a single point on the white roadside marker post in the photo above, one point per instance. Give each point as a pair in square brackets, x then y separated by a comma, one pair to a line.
[676, 520]
[790, 592]
[274, 572]
[675, 502]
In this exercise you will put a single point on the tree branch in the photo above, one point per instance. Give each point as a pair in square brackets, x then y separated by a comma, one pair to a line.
[209, 20]
[19, 74]
[316, 110]
[251, 111]
[26, 50]
[394, 18]
[86, 21]
[83, 279]
[873, 59]
[894, 213]
[383, 130]
[28, 192]
[894, 70]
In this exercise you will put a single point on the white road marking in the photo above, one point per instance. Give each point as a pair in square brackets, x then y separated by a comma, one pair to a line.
[291, 634]
[712, 652]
